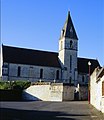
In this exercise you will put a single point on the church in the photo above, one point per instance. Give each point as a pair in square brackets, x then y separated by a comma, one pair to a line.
[63, 66]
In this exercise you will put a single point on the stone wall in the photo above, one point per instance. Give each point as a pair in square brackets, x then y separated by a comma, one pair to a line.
[83, 92]
[68, 92]
[30, 72]
[49, 92]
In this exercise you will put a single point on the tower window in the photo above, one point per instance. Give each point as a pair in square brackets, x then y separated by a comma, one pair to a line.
[41, 73]
[71, 44]
[57, 74]
[19, 71]
[70, 63]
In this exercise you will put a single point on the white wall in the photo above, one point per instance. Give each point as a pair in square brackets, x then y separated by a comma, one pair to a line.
[50, 92]
[93, 89]
[102, 99]
[37, 92]
[96, 98]
[56, 91]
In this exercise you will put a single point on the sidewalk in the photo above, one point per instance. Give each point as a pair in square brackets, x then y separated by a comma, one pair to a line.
[95, 114]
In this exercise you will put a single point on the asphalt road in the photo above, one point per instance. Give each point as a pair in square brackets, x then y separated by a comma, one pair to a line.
[39, 110]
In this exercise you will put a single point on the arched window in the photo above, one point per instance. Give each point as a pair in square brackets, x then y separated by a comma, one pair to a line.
[71, 44]
[83, 78]
[41, 73]
[70, 63]
[57, 74]
[19, 71]
[70, 80]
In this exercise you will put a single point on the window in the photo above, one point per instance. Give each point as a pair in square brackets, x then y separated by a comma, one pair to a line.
[31, 72]
[19, 71]
[5, 65]
[70, 80]
[103, 88]
[71, 44]
[83, 78]
[70, 63]
[57, 74]
[5, 71]
[41, 73]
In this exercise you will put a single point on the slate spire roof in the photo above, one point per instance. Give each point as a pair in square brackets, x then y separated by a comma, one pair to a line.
[68, 30]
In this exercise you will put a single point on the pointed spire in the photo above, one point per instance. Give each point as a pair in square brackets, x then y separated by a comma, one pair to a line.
[68, 29]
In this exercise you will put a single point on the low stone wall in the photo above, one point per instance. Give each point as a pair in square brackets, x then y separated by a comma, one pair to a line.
[37, 92]
[10, 95]
[68, 92]
[83, 92]
[49, 92]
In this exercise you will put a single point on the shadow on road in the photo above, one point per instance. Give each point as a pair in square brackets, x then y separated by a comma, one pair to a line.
[14, 114]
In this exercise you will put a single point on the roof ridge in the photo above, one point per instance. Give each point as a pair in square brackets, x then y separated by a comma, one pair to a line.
[87, 58]
[31, 49]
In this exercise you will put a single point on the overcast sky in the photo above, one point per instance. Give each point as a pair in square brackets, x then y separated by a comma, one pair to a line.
[37, 24]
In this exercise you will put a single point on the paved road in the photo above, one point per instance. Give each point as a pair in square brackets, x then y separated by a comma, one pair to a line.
[40, 110]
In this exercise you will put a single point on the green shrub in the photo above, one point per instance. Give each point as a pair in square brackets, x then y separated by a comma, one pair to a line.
[21, 84]
[14, 85]
[4, 85]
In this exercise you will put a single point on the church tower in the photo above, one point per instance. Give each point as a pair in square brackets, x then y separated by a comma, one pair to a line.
[68, 47]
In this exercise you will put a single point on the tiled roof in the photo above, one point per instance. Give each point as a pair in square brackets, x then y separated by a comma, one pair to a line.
[83, 65]
[30, 57]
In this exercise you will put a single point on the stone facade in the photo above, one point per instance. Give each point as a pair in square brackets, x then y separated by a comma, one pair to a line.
[30, 72]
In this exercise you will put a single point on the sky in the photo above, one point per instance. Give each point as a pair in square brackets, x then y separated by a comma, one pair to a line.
[37, 24]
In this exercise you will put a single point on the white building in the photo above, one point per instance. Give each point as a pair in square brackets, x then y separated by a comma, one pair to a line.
[33, 65]
[97, 89]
